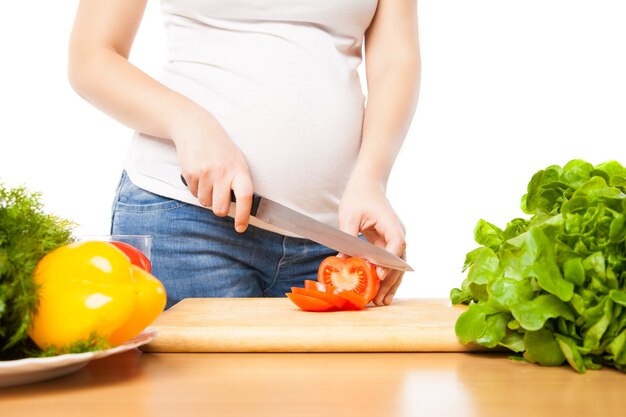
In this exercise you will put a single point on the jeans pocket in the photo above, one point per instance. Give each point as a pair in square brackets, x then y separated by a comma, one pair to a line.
[132, 198]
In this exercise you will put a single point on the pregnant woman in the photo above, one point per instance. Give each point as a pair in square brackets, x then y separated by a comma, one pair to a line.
[255, 96]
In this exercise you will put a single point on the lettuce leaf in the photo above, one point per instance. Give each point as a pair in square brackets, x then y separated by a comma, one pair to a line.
[552, 287]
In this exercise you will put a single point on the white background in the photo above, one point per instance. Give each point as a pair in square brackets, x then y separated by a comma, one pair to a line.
[508, 87]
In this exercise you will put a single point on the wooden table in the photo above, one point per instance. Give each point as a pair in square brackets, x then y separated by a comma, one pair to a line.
[319, 384]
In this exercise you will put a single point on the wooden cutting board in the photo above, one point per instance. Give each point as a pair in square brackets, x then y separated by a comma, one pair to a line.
[277, 325]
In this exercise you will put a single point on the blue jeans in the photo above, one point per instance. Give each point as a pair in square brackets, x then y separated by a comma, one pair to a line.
[198, 254]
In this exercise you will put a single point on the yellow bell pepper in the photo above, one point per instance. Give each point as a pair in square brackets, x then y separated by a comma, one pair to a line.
[89, 288]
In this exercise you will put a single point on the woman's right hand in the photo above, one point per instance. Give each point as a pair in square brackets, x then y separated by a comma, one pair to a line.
[213, 165]
[99, 70]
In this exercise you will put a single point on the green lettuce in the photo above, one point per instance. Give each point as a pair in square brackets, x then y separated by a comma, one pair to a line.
[552, 288]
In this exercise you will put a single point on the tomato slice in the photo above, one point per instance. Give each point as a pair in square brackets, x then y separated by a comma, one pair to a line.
[335, 300]
[135, 255]
[316, 285]
[354, 300]
[350, 274]
[307, 303]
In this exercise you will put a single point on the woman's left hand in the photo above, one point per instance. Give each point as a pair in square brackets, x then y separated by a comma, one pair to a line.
[365, 209]
[393, 67]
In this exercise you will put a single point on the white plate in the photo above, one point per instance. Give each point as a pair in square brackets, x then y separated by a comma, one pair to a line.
[24, 371]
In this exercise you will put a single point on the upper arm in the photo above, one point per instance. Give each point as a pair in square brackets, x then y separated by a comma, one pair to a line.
[392, 37]
[111, 24]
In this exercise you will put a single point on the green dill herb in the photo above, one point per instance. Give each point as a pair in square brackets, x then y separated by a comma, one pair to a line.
[93, 343]
[27, 233]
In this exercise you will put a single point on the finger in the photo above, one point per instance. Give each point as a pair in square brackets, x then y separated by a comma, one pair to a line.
[382, 291]
[396, 244]
[373, 236]
[392, 291]
[382, 272]
[192, 184]
[388, 287]
[242, 187]
[221, 198]
[205, 192]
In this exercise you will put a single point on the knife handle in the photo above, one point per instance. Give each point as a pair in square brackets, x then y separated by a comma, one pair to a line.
[256, 199]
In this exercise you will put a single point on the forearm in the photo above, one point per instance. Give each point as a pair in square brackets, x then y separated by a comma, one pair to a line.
[108, 81]
[392, 65]
[391, 103]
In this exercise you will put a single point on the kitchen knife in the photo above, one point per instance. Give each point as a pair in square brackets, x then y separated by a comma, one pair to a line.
[304, 226]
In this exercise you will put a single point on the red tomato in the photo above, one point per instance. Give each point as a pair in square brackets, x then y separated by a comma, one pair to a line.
[354, 300]
[350, 274]
[335, 300]
[136, 256]
[307, 303]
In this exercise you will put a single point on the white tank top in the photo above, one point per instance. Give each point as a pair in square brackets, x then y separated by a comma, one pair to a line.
[281, 78]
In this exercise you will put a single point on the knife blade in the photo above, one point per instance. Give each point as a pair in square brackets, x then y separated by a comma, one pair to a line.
[304, 226]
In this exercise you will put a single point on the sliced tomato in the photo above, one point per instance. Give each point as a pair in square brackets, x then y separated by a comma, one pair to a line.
[354, 300]
[350, 274]
[135, 255]
[307, 303]
[335, 300]
[316, 285]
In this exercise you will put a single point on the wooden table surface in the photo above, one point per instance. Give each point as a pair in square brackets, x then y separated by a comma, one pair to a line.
[319, 384]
